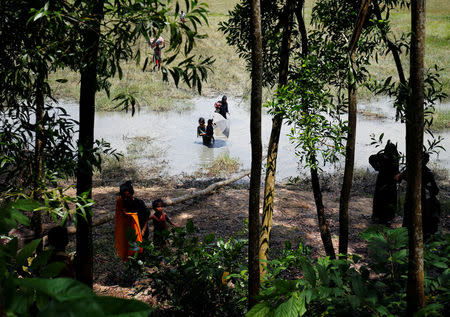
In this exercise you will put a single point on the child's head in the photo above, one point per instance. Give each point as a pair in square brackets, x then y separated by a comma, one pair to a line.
[58, 238]
[158, 204]
[201, 121]
[210, 121]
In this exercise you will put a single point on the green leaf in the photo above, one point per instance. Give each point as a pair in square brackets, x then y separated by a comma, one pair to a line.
[52, 270]
[26, 204]
[440, 265]
[61, 289]
[26, 252]
[20, 217]
[259, 310]
[113, 306]
[309, 273]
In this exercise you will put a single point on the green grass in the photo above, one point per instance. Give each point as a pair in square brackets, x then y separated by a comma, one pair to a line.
[229, 75]
[441, 119]
[222, 166]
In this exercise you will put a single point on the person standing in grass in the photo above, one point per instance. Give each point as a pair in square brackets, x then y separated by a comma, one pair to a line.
[157, 47]
[160, 224]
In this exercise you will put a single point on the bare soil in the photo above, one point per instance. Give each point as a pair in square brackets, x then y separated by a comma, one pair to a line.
[223, 213]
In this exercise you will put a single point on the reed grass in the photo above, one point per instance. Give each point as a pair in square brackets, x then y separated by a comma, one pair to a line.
[229, 74]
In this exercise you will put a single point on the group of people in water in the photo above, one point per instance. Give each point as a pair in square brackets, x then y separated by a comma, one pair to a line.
[207, 131]
[385, 199]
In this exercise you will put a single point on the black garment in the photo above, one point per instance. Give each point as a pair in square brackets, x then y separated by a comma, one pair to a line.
[138, 205]
[431, 207]
[223, 109]
[209, 137]
[385, 196]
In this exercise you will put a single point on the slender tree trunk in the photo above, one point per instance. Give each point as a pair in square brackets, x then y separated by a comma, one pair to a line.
[323, 226]
[88, 89]
[351, 139]
[36, 219]
[414, 143]
[272, 153]
[302, 27]
[256, 143]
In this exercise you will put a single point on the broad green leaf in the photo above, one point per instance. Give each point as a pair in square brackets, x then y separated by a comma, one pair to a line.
[20, 217]
[259, 310]
[26, 204]
[27, 251]
[52, 270]
[309, 273]
[61, 289]
[113, 306]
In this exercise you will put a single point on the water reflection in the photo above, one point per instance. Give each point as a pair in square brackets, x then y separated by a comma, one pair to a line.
[173, 138]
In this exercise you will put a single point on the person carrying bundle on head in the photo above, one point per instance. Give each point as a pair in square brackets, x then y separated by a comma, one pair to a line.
[157, 46]
[222, 106]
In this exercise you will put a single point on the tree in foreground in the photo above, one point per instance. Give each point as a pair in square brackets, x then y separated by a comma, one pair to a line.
[414, 144]
[255, 176]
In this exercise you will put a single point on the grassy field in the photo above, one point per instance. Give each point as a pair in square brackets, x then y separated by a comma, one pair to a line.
[229, 74]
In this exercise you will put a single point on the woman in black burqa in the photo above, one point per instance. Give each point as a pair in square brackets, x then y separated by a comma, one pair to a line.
[386, 164]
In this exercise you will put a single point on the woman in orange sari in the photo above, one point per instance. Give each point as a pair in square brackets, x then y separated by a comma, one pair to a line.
[127, 217]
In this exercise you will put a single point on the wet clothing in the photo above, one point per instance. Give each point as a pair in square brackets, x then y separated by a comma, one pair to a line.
[385, 196]
[126, 218]
[209, 137]
[160, 228]
[201, 130]
[223, 108]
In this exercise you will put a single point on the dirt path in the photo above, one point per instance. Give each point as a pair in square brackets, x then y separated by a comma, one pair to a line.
[223, 213]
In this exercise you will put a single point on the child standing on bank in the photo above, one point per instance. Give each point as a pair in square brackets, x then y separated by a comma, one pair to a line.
[160, 220]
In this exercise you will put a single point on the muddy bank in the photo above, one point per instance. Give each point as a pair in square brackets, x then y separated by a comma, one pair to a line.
[223, 213]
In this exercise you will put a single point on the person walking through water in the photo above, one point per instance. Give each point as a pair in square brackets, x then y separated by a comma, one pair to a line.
[131, 213]
[431, 207]
[201, 129]
[385, 196]
[157, 46]
[222, 107]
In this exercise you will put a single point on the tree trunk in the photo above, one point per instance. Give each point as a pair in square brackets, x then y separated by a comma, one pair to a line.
[302, 27]
[36, 219]
[272, 152]
[323, 226]
[91, 36]
[256, 144]
[414, 143]
[351, 139]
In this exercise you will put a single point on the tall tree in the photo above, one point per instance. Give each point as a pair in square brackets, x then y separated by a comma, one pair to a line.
[351, 136]
[88, 89]
[256, 145]
[414, 144]
[272, 152]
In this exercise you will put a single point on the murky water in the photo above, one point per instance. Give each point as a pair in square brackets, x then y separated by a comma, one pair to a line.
[172, 136]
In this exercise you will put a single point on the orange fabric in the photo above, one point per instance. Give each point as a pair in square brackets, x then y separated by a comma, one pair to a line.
[123, 221]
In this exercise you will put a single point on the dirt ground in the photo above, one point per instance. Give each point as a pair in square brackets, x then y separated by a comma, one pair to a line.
[223, 213]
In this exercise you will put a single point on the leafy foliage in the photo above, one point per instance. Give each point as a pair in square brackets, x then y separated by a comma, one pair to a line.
[27, 282]
[197, 276]
[344, 288]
